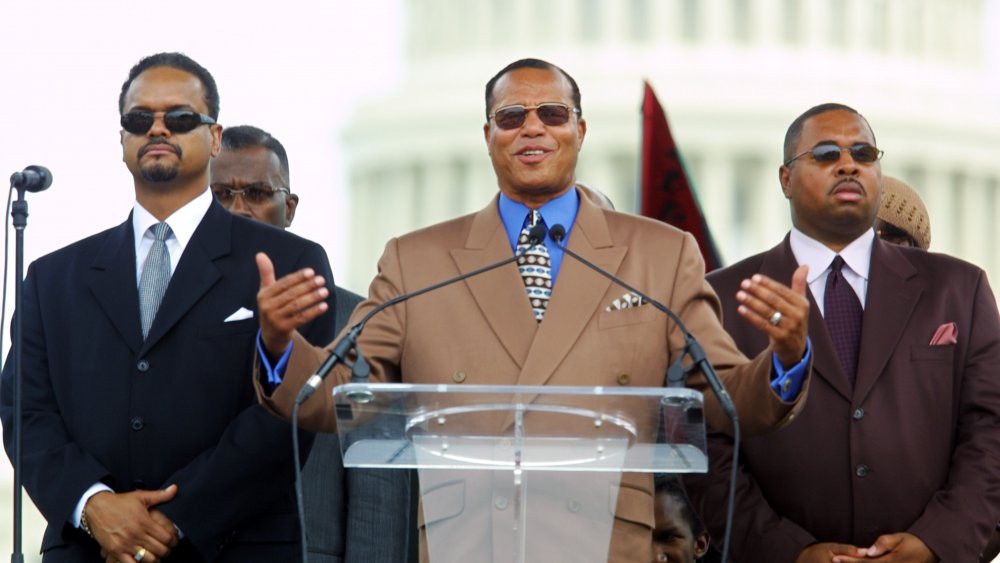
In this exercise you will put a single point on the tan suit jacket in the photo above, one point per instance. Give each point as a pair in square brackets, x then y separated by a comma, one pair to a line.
[484, 328]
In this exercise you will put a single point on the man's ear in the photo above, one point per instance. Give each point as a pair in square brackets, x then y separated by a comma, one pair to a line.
[701, 543]
[216, 130]
[291, 202]
[784, 176]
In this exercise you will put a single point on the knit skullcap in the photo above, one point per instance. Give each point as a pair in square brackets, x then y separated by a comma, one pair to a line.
[902, 208]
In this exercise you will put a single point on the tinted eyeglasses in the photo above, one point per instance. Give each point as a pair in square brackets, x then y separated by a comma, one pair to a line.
[256, 194]
[139, 122]
[552, 114]
[828, 153]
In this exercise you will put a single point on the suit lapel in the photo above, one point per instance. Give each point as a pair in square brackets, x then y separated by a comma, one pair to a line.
[779, 264]
[891, 299]
[576, 295]
[113, 283]
[499, 293]
[196, 272]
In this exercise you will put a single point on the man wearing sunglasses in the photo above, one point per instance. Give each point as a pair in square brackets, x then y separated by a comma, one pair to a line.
[354, 516]
[897, 455]
[572, 330]
[142, 437]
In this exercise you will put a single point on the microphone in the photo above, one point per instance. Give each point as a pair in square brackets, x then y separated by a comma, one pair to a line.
[360, 369]
[676, 374]
[34, 178]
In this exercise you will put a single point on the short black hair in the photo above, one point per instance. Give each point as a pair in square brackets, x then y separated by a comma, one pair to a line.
[794, 132]
[248, 136]
[671, 485]
[531, 63]
[179, 61]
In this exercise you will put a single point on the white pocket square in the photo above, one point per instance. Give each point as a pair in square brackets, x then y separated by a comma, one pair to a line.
[626, 301]
[239, 315]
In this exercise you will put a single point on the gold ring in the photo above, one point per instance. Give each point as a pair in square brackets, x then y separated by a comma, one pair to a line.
[775, 318]
[139, 555]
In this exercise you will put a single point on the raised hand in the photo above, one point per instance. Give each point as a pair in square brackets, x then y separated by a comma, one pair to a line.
[780, 311]
[287, 303]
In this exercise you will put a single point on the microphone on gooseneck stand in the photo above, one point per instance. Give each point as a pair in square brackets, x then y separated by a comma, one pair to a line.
[677, 374]
[360, 368]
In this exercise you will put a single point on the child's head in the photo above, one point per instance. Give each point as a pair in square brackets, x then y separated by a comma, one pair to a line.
[678, 535]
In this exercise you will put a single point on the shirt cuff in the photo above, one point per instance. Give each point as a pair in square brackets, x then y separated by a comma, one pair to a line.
[78, 511]
[788, 383]
[275, 373]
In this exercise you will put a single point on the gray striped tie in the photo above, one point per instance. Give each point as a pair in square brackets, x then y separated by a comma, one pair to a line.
[155, 277]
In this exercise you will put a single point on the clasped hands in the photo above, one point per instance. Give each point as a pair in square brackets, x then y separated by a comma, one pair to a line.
[129, 528]
[889, 548]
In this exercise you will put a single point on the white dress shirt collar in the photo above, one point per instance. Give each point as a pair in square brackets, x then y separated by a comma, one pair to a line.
[857, 256]
[183, 223]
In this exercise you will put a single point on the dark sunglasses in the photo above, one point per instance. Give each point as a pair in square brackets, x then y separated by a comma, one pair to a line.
[139, 122]
[257, 194]
[828, 153]
[552, 114]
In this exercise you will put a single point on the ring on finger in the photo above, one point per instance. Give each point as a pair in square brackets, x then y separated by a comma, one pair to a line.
[775, 318]
[140, 555]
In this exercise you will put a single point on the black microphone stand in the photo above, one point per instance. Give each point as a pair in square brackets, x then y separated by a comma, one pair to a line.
[19, 215]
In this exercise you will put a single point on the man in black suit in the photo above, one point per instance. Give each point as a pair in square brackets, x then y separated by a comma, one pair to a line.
[141, 429]
[353, 516]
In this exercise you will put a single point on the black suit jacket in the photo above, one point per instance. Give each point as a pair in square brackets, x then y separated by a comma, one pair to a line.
[913, 447]
[101, 404]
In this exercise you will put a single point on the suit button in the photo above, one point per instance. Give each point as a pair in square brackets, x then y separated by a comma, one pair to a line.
[142, 366]
[458, 376]
[136, 423]
[573, 506]
[500, 503]
[624, 379]
[862, 470]
[859, 414]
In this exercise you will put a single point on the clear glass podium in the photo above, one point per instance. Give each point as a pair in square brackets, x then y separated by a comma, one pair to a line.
[523, 473]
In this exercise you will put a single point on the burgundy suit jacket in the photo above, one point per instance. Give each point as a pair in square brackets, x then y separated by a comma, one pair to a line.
[483, 328]
[913, 447]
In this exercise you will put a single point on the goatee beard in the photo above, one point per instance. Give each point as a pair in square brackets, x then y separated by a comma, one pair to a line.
[159, 172]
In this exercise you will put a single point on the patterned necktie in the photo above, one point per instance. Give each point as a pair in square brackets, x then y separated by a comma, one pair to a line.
[842, 312]
[533, 263]
[155, 277]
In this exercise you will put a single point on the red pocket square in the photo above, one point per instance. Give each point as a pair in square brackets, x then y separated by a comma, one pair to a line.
[945, 334]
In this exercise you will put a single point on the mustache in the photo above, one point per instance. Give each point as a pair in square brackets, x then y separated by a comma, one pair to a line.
[854, 181]
[159, 141]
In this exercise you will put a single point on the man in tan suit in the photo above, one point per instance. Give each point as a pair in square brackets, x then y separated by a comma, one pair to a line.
[485, 330]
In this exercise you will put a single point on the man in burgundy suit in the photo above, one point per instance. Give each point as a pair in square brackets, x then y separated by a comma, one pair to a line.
[896, 456]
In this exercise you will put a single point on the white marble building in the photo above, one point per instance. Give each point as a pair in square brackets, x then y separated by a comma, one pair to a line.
[732, 74]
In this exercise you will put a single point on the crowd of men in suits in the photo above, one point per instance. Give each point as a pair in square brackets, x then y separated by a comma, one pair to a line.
[161, 355]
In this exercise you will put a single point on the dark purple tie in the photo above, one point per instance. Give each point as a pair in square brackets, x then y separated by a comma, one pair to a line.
[842, 312]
